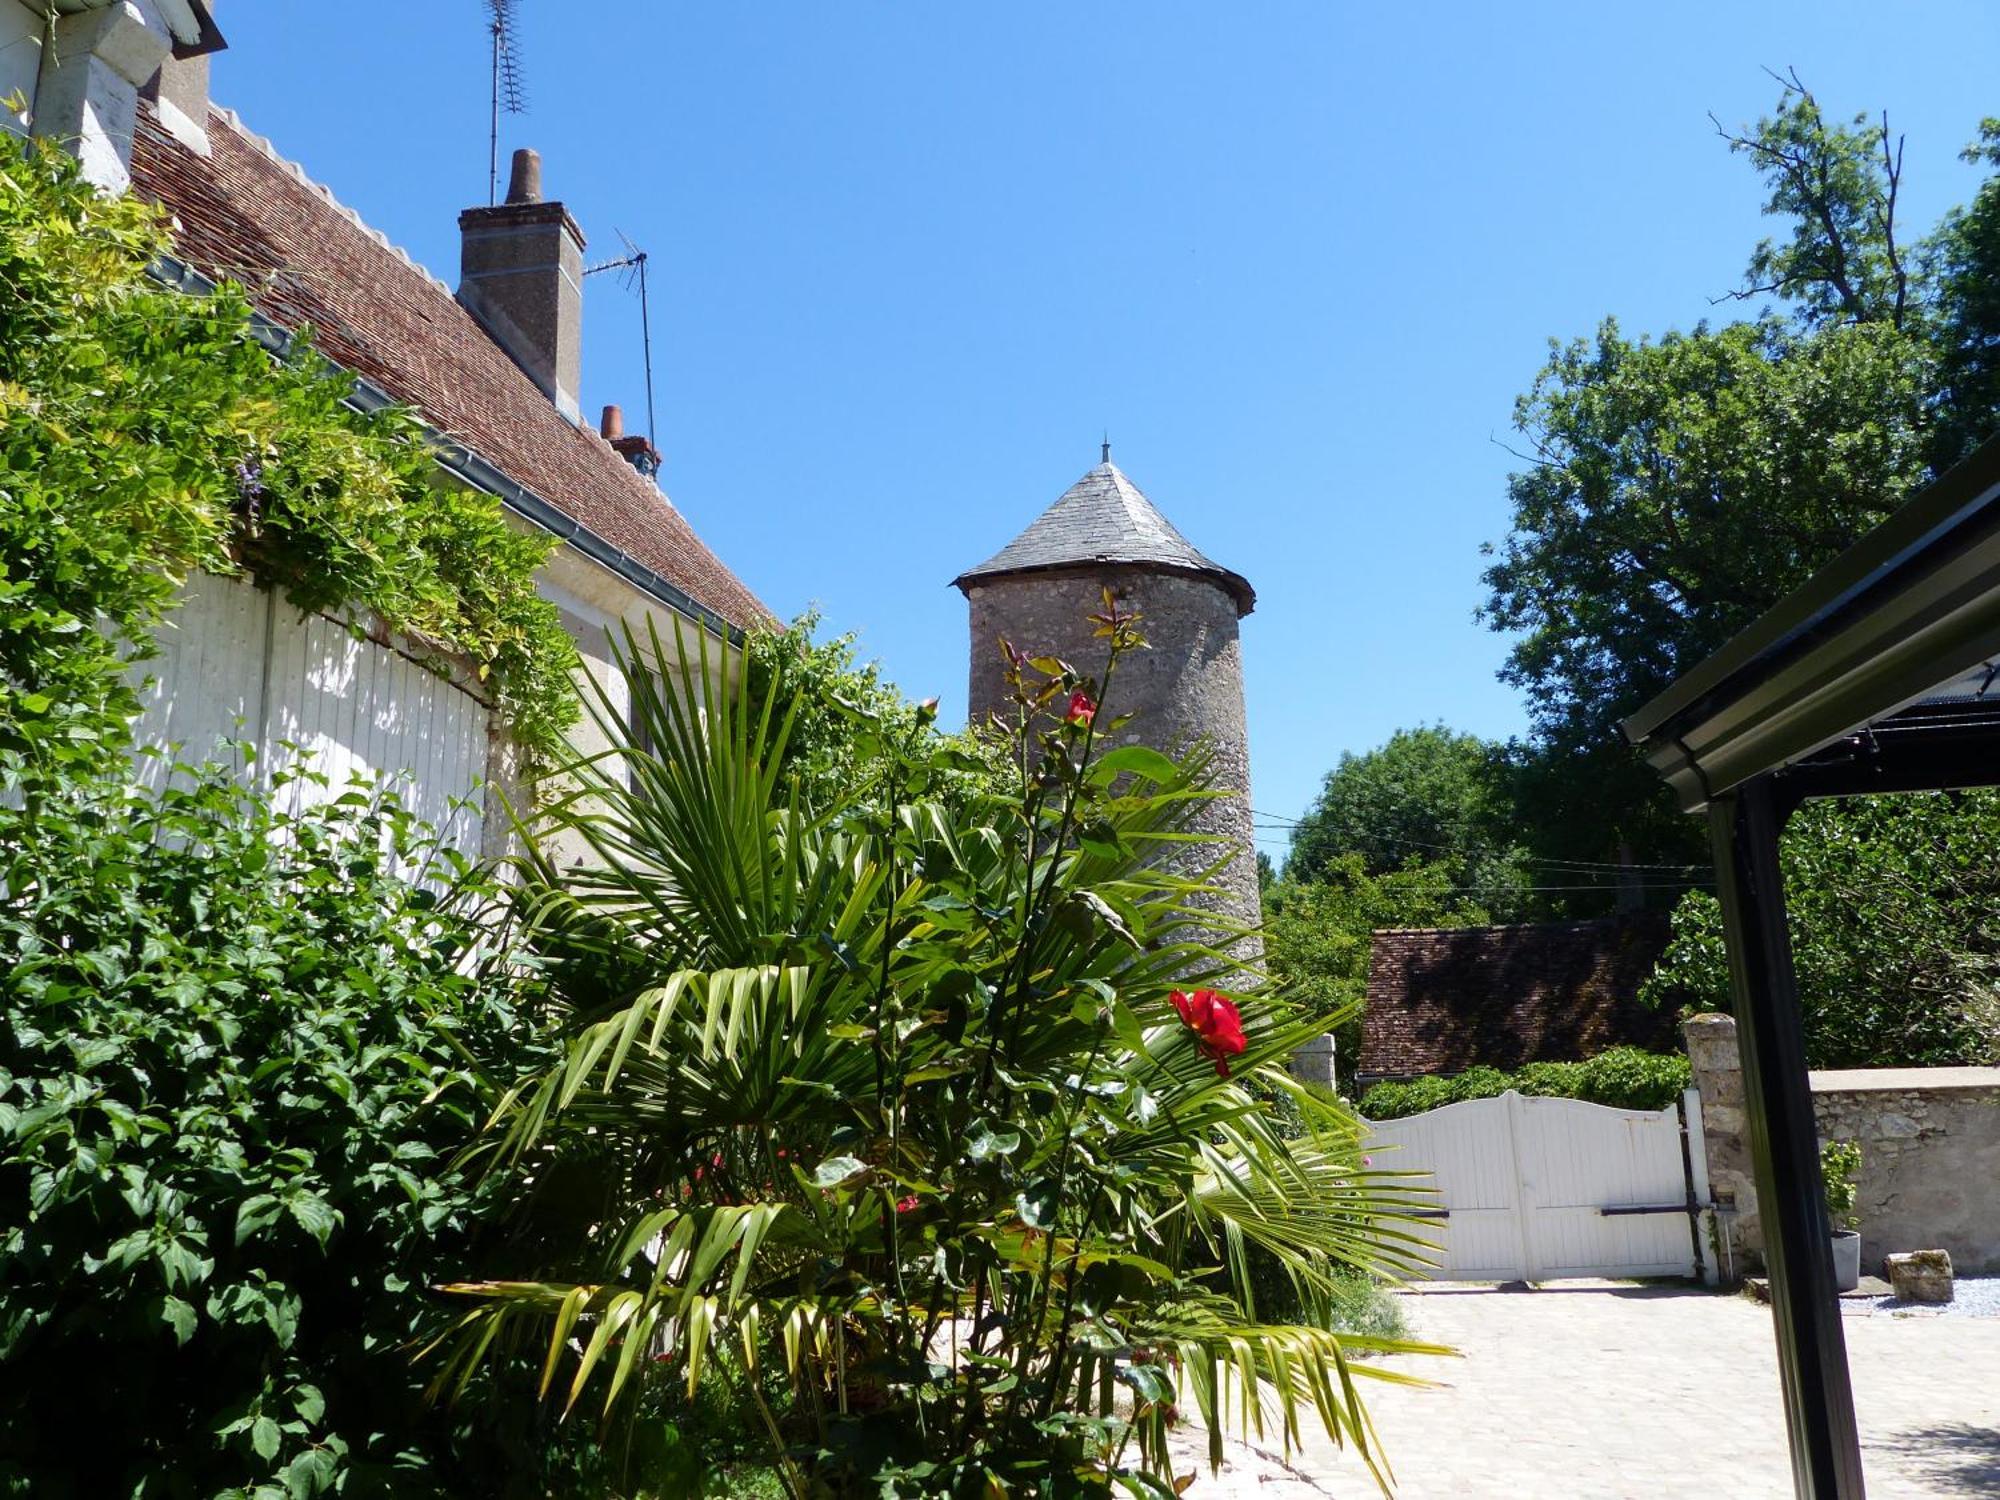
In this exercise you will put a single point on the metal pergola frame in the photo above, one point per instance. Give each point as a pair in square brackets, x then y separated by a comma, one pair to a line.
[1872, 677]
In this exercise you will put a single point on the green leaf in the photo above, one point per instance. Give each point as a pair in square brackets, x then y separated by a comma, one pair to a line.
[1037, 1205]
[309, 1474]
[314, 1215]
[265, 1437]
[983, 1142]
[179, 1316]
[1100, 838]
[1137, 759]
[256, 1213]
[837, 1169]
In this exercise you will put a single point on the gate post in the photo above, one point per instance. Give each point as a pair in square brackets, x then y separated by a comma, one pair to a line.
[1702, 1218]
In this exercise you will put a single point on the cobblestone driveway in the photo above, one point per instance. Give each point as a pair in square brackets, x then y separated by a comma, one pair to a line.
[1608, 1391]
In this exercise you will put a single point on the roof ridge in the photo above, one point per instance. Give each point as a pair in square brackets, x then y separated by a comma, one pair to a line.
[244, 210]
[262, 145]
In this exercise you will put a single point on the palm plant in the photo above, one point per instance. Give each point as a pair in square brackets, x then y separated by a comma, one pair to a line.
[954, 1100]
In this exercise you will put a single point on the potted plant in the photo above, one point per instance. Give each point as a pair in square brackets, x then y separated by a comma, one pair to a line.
[1839, 1162]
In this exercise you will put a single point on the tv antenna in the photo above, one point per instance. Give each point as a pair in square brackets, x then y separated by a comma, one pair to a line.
[632, 268]
[508, 91]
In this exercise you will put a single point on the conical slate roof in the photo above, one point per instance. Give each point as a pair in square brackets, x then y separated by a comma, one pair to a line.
[1105, 518]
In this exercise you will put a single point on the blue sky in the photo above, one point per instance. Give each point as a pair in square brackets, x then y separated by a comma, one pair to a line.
[1297, 256]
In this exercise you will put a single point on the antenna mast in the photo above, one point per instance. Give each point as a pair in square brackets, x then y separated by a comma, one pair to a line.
[633, 264]
[508, 92]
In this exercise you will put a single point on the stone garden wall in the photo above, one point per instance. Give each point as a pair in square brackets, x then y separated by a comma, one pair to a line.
[1930, 1152]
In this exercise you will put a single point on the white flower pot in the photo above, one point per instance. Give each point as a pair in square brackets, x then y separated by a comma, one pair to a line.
[1846, 1260]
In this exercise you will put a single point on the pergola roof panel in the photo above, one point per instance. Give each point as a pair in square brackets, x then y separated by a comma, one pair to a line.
[1906, 622]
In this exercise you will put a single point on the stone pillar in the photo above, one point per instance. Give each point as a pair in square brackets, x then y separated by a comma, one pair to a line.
[1718, 1077]
[1313, 1063]
[87, 96]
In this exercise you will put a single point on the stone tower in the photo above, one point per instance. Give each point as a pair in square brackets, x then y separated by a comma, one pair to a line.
[1038, 592]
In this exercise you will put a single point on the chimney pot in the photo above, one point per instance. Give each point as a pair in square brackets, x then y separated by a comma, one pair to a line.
[524, 185]
[611, 426]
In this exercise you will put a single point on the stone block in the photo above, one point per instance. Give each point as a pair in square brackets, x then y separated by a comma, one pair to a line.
[1920, 1275]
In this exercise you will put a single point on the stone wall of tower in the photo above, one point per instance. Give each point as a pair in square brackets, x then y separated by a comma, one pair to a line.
[1188, 684]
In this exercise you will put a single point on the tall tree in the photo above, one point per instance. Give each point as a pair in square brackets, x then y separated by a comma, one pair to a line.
[1844, 260]
[1675, 490]
[1965, 255]
[1427, 796]
[1678, 488]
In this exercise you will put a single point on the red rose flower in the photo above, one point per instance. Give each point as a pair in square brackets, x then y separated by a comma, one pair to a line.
[1216, 1024]
[1081, 709]
[906, 1205]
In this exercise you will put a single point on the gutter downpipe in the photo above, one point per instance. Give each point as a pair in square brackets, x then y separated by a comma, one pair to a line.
[481, 474]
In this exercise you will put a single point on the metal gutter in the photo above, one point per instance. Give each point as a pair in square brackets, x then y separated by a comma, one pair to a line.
[1909, 607]
[1928, 517]
[467, 465]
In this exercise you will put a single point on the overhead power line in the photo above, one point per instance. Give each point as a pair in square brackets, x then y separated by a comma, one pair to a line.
[1268, 820]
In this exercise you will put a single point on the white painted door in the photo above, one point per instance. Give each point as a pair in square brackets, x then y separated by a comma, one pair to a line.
[1534, 1189]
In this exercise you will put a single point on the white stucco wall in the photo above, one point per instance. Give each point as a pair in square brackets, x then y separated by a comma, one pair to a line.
[20, 58]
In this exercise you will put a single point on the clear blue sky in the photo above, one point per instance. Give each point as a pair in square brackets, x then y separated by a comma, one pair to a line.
[1297, 256]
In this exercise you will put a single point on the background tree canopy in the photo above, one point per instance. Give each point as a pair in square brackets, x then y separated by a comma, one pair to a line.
[1429, 796]
[1672, 489]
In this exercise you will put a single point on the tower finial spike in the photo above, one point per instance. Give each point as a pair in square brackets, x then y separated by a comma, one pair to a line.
[1106, 458]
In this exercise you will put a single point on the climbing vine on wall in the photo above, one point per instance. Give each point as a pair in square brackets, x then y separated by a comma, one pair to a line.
[144, 436]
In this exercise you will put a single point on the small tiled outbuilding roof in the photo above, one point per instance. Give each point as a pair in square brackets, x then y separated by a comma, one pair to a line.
[1444, 1000]
[1105, 518]
[246, 215]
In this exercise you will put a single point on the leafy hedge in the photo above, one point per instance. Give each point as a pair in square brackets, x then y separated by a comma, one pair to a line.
[237, 1055]
[1625, 1077]
[144, 435]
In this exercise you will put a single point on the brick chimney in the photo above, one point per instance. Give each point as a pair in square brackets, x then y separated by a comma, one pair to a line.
[520, 273]
[179, 90]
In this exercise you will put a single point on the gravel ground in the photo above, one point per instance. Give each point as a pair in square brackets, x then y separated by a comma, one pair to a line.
[1972, 1297]
[1616, 1391]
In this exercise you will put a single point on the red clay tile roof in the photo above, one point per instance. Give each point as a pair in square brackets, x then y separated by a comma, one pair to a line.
[1442, 1001]
[247, 216]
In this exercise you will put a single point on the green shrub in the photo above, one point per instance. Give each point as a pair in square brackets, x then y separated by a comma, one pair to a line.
[937, 1103]
[1632, 1078]
[1623, 1077]
[237, 1052]
[1839, 1165]
[1360, 1305]
[145, 435]
[1551, 1080]
[1480, 1083]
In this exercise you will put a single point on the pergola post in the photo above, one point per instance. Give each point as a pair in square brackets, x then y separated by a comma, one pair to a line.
[1784, 1144]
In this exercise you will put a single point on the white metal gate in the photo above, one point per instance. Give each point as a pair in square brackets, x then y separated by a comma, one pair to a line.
[1533, 1189]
